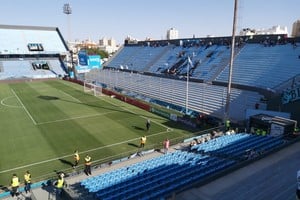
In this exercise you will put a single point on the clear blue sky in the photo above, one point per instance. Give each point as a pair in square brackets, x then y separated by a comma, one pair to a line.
[95, 19]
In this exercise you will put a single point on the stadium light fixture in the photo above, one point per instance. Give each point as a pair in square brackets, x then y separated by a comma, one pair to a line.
[68, 11]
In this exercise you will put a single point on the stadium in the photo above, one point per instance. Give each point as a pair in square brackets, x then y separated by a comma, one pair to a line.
[48, 111]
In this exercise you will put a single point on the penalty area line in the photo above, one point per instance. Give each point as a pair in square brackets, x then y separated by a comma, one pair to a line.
[34, 122]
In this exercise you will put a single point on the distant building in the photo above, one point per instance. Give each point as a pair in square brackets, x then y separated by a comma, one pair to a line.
[108, 45]
[271, 31]
[172, 34]
[296, 29]
[131, 40]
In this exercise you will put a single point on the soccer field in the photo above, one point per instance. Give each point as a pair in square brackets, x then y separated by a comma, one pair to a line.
[43, 122]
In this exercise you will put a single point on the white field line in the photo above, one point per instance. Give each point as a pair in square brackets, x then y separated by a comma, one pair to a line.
[72, 118]
[70, 96]
[137, 114]
[83, 152]
[7, 105]
[34, 122]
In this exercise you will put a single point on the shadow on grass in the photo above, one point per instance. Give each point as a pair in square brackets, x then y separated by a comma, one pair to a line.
[134, 145]
[48, 97]
[138, 128]
[66, 162]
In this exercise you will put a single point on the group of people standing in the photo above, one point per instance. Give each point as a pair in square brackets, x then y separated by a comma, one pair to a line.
[60, 182]
[166, 142]
[15, 184]
[87, 162]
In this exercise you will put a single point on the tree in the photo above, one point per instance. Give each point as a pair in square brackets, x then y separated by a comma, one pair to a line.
[97, 51]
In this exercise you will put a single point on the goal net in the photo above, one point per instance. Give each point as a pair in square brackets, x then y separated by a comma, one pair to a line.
[90, 87]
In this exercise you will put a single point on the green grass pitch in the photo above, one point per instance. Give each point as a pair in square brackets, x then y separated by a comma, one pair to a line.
[43, 122]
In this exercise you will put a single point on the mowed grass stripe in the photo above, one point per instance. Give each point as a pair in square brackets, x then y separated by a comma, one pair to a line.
[53, 104]
[42, 104]
[113, 128]
[74, 118]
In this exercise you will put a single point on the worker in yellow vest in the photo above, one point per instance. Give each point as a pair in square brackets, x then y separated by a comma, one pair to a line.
[87, 165]
[143, 141]
[15, 183]
[27, 181]
[60, 184]
[76, 159]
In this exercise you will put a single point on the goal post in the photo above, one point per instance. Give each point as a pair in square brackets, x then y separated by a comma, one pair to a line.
[90, 87]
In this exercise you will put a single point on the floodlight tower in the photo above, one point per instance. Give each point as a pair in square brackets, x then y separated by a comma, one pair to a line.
[226, 114]
[68, 11]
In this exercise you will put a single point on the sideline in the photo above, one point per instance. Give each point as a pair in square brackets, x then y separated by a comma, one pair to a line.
[83, 152]
[34, 122]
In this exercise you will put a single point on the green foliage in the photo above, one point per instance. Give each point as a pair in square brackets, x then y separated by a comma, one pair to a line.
[97, 51]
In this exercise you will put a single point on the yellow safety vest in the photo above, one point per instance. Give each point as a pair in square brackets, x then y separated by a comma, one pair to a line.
[143, 140]
[15, 182]
[60, 183]
[76, 156]
[27, 178]
[88, 160]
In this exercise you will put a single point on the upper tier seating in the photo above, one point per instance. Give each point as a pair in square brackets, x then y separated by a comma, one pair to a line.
[264, 66]
[15, 41]
[258, 65]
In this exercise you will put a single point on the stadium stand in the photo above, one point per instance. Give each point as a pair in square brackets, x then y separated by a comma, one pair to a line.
[264, 66]
[24, 48]
[269, 63]
[203, 98]
[159, 177]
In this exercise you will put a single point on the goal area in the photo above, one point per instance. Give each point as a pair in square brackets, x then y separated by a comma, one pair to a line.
[90, 87]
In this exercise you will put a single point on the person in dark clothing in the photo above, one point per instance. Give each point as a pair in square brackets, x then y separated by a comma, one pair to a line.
[148, 124]
[87, 165]
[27, 181]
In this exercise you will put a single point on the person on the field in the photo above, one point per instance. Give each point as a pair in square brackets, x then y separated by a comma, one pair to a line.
[76, 159]
[148, 124]
[143, 141]
[15, 183]
[87, 165]
[27, 181]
